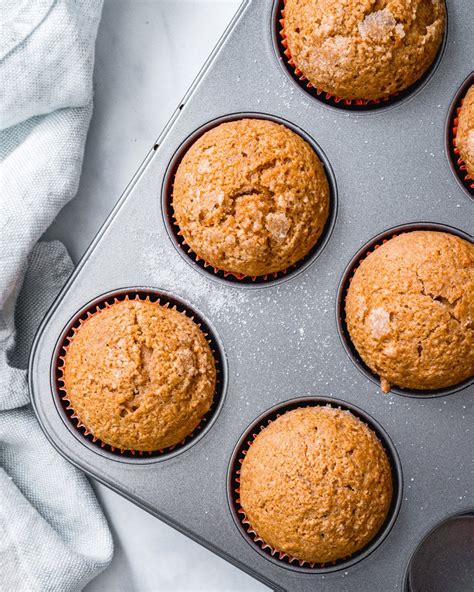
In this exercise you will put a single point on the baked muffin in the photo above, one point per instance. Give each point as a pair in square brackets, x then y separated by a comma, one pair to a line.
[139, 375]
[465, 132]
[362, 49]
[410, 310]
[251, 197]
[316, 484]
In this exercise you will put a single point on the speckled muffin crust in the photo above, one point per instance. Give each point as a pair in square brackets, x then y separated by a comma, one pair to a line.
[465, 132]
[364, 49]
[316, 484]
[410, 310]
[251, 197]
[139, 376]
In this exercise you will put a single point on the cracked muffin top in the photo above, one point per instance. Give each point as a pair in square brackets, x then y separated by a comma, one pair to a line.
[465, 132]
[139, 375]
[316, 484]
[364, 49]
[410, 310]
[251, 197]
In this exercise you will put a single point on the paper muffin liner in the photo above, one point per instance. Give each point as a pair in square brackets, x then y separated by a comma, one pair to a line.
[344, 334]
[458, 163]
[281, 556]
[109, 301]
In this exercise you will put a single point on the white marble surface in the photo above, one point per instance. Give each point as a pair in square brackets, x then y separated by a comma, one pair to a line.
[148, 52]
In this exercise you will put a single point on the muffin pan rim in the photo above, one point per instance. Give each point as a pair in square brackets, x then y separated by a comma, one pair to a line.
[385, 104]
[343, 333]
[449, 137]
[388, 445]
[284, 276]
[144, 458]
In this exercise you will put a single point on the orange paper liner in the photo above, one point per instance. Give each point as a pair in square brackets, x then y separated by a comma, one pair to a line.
[235, 489]
[458, 162]
[321, 94]
[60, 362]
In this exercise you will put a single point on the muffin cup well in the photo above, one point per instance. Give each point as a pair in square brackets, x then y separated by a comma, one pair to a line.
[227, 277]
[444, 559]
[358, 105]
[233, 482]
[344, 335]
[456, 163]
[80, 431]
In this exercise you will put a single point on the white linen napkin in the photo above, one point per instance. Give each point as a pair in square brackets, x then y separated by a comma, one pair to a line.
[53, 535]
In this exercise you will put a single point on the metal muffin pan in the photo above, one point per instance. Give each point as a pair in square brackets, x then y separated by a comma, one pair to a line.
[391, 168]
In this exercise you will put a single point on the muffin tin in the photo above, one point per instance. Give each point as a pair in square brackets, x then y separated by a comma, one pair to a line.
[389, 167]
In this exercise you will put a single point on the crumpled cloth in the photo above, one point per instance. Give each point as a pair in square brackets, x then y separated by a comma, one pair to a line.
[53, 535]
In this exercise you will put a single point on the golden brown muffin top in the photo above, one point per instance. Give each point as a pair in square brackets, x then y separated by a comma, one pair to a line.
[251, 197]
[316, 484]
[410, 310]
[465, 132]
[364, 49]
[139, 375]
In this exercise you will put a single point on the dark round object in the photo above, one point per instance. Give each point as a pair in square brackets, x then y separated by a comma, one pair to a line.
[444, 561]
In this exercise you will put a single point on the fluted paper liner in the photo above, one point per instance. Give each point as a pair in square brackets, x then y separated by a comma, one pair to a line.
[459, 164]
